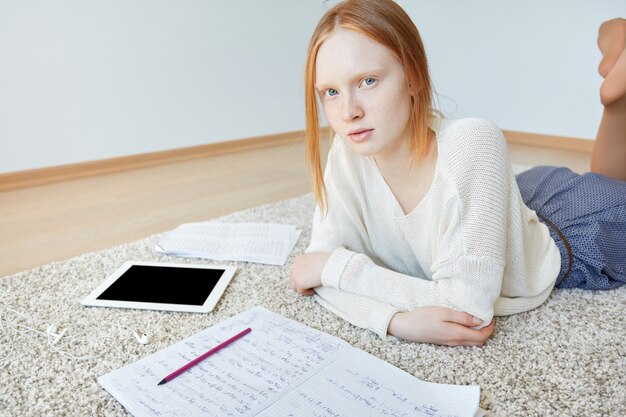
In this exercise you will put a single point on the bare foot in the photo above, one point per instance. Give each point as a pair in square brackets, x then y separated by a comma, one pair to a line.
[613, 88]
[612, 44]
[611, 41]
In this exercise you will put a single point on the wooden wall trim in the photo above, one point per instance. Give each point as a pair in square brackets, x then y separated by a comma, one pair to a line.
[42, 176]
[48, 175]
[547, 141]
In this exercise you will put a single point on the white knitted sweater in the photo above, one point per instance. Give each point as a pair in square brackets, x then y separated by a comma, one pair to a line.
[471, 244]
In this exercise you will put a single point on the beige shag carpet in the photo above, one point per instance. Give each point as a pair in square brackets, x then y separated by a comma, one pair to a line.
[565, 358]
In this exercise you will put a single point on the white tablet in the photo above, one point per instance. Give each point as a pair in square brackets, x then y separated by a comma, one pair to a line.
[163, 286]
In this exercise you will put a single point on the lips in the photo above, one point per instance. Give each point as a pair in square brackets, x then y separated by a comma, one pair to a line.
[357, 131]
[360, 135]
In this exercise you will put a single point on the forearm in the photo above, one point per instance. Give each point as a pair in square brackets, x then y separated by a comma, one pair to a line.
[470, 284]
[357, 274]
[360, 311]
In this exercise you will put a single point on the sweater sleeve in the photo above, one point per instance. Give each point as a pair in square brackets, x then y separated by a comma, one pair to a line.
[356, 273]
[478, 164]
[359, 310]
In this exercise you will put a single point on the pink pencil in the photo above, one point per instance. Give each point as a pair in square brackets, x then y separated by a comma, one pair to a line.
[204, 356]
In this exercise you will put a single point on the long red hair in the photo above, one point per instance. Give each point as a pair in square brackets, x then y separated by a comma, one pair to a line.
[388, 24]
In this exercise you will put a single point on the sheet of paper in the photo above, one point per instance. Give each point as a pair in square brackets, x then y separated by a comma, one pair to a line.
[359, 384]
[281, 368]
[266, 243]
[239, 380]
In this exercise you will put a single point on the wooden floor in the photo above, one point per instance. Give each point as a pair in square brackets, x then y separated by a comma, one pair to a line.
[58, 221]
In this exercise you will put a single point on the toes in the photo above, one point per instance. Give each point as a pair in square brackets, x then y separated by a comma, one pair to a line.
[610, 96]
[605, 66]
[612, 42]
[614, 86]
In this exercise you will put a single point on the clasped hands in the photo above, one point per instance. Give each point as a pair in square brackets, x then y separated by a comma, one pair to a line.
[438, 325]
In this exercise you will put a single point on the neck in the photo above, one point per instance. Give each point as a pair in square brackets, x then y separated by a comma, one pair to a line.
[401, 162]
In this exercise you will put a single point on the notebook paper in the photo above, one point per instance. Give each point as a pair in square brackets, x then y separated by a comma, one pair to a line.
[265, 243]
[281, 368]
[360, 384]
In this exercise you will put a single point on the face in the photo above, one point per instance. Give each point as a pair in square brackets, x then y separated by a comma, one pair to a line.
[363, 90]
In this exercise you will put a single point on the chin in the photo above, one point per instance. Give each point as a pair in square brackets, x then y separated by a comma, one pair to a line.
[367, 148]
[363, 149]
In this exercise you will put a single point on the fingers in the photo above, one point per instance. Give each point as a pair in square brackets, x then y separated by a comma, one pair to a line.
[305, 291]
[465, 336]
[294, 284]
[483, 334]
[479, 336]
[463, 318]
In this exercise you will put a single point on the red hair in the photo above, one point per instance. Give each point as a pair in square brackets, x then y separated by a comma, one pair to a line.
[388, 24]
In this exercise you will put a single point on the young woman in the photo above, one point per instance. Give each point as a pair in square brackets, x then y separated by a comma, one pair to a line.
[421, 229]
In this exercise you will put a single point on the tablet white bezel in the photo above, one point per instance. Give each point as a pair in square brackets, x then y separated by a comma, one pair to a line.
[229, 271]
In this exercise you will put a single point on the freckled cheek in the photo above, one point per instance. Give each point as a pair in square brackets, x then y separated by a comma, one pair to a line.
[383, 109]
[401, 107]
[333, 115]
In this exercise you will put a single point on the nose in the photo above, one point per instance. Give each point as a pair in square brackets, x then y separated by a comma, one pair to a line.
[351, 108]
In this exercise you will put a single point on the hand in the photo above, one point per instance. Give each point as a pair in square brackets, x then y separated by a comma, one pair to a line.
[441, 326]
[306, 272]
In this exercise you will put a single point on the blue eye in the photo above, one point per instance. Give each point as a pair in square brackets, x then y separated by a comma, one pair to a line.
[369, 81]
[331, 92]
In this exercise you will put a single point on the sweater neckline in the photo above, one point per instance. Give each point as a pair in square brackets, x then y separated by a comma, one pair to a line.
[397, 208]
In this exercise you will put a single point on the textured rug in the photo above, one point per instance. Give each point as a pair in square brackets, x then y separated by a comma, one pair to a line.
[565, 358]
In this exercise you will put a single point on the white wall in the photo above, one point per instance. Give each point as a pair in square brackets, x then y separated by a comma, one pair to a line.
[91, 79]
[527, 65]
[84, 79]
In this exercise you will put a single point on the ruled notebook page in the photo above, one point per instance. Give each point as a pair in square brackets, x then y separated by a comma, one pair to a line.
[359, 384]
[281, 368]
[242, 379]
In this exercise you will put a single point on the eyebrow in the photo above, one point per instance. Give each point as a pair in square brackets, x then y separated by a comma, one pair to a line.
[322, 86]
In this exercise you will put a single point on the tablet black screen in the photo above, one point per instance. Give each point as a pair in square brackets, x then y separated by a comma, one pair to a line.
[163, 284]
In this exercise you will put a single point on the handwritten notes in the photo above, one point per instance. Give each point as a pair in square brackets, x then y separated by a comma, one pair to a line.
[362, 385]
[281, 368]
[265, 243]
